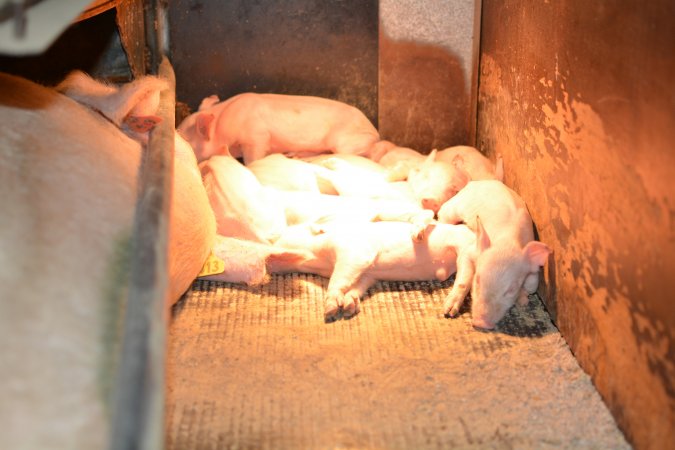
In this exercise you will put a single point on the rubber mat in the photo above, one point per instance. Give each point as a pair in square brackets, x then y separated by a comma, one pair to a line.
[257, 367]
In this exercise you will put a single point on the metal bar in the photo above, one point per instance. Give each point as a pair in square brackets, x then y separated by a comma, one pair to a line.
[475, 76]
[97, 7]
[137, 421]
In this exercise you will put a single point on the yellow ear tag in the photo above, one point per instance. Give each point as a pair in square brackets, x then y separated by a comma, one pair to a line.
[212, 266]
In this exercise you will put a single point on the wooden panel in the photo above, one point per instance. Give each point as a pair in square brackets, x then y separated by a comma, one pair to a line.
[97, 7]
[131, 25]
[578, 97]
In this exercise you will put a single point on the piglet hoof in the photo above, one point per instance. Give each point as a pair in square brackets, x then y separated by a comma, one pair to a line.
[351, 305]
[451, 311]
[317, 228]
[418, 233]
[452, 314]
[523, 298]
[420, 224]
[332, 310]
[331, 314]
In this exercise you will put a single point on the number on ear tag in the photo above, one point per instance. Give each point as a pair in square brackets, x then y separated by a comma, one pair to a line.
[142, 124]
[212, 266]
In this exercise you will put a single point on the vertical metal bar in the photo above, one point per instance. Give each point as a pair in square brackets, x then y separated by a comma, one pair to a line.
[138, 406]
[139, 394]
[475, 74]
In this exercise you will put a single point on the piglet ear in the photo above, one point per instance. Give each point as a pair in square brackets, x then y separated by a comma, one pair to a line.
[204, 125]
[208, 102]
[536, 253]
[142, 124]
[430, 158]
[138, 98]
[482, 238]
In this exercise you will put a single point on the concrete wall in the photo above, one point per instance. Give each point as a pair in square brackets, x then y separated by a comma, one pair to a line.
[579, 98]
[427, 72]
[305, 47]
[416, 81]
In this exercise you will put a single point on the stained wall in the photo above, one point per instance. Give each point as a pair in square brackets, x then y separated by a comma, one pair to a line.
[579, 98]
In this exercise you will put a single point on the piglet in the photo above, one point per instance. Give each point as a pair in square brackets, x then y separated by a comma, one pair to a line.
[237, 260]
[355, 256]
[130, 106]
[508, 258]
[354, 175]
[435, 182]
[399, 161]
[289, 174]
[253, 125]
[393, 155]
[471, 161]
[241, 204]
[318, 209]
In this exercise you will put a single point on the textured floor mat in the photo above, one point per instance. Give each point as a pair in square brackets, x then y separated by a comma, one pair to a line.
[257, 367]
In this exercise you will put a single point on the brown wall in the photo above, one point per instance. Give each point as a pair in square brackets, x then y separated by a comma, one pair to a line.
[579, 98]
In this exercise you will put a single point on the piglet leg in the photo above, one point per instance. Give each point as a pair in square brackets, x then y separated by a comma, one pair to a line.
[354, 295]
[419, 218]
[531, 283]
[350, 267]
[461, 287]
[256, 148]
[530, 286]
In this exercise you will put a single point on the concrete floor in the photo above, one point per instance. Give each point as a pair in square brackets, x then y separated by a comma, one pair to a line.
[257, 367]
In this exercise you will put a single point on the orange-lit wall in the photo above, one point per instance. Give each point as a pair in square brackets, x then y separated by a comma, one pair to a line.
[579, 98]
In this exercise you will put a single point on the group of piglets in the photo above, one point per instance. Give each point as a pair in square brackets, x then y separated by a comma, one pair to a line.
[318, 191]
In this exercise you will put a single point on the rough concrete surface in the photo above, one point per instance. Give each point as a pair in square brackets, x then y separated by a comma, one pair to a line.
[257, 367]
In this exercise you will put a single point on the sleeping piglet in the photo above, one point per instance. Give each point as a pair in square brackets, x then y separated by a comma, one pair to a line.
[251, 263]
[435, 182]
[472, 162]
[288, 174]
[240, 203]
[253, 125]
[313, 208]
[508, 258]
[131, 106]
[354, 175]
[357, 255]
[439, 176]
